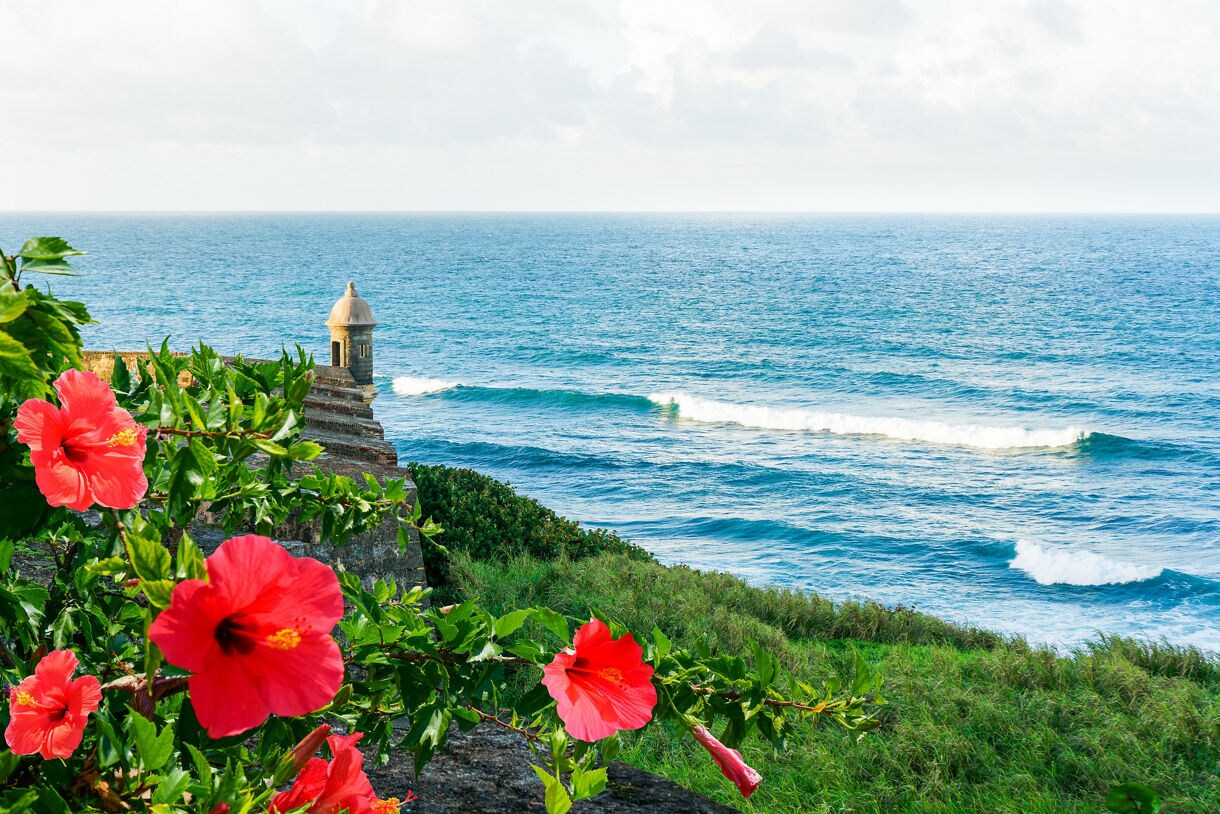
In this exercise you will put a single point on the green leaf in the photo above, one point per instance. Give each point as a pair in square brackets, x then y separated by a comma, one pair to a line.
[290, 423]
[46, 248]
[158, 591]
[148, 557]
[62, 629]
[864, 677]
[1133, 798]
[508, 623]
[120, 379]
[305, 450]
[153, 749]
[557, 799]
[15, 360]
[664, 645]
[50, 802]
[12, 304]
[191, 563]
[6, 554]
[8, 764]
[588, 782]
[192, 464]
[202, 767]
[554, 622]
[109, 567]
[173, 784]
[274, 450]
[62, 267]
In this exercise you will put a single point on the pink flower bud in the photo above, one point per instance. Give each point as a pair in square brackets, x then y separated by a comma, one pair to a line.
[730, 762]
[308, 747]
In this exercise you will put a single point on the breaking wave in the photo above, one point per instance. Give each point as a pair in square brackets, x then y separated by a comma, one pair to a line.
[1061, 566]
[420, 385]
[906, 429]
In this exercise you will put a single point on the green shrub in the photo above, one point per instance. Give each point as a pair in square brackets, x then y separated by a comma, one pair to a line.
[489, 521]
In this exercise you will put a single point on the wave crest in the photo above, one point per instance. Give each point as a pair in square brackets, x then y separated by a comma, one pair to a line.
[1061, 566]
[420, 385]
[696, 408]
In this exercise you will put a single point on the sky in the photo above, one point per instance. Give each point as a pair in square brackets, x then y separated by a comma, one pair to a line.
[737, 105]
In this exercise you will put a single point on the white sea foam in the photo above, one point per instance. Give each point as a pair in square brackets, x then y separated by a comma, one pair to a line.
[420, 385]
[696, 408]
[1062, 566]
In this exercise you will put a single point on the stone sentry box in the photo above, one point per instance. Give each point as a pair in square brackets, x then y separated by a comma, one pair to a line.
[351, 326]
[339, 416]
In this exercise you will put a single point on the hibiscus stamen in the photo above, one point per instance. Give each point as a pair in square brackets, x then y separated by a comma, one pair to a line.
[123, 438]
[24, 699]
[388, 806]
[285, 639]
[611, 674]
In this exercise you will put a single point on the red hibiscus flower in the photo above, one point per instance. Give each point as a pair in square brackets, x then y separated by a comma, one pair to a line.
[601, 685]
[331, 787]
[48, 709]
[256, 635]
[730, 762]
[88, 449]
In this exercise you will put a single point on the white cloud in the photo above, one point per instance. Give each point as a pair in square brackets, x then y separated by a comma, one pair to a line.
[437, 104]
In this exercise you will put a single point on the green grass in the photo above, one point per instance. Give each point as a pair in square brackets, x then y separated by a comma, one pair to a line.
[976, 722]
[488, 520]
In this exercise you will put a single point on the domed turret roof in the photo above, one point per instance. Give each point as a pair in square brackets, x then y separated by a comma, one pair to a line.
[350, 311]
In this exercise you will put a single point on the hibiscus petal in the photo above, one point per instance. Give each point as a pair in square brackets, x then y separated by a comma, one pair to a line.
[39, 425]
[117, 479]
[226, 698]
[592, 634]
[301, 680]
[84, 695]
[25, 731]
[348, 785]
[584, 720]
[56, 669]
[308, 786]
[63, 738]
[314, 594]
[244, 568]
[61, 483]
[86, 400]
[186, 631]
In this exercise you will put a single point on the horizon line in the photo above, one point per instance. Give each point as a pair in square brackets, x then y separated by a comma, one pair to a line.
[837, 212]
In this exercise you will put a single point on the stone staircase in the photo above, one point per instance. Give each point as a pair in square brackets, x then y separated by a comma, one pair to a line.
[339, 417]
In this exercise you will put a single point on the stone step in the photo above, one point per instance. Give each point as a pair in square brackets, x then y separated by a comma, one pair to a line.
[338, 389]
[352, 447]
[344, 423]
[321, 403]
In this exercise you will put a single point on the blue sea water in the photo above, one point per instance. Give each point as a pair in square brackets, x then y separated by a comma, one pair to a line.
[1009, 421]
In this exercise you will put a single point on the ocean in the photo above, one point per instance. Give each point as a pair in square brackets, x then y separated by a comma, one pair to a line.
[1010, 421]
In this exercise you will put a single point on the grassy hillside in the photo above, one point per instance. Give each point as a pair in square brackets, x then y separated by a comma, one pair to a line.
[975, 723]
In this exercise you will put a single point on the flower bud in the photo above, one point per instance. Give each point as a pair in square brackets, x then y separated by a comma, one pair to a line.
[308, 747]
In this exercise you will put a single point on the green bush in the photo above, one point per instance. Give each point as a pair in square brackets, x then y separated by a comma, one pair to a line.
[489, 521]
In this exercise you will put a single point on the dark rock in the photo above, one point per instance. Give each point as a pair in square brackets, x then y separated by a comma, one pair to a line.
[487, 771]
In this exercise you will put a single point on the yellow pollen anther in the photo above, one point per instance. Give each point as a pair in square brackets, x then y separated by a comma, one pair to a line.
[285, 639]
[611, 674]
[24, 699]
[390, 806]
[122, 438]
